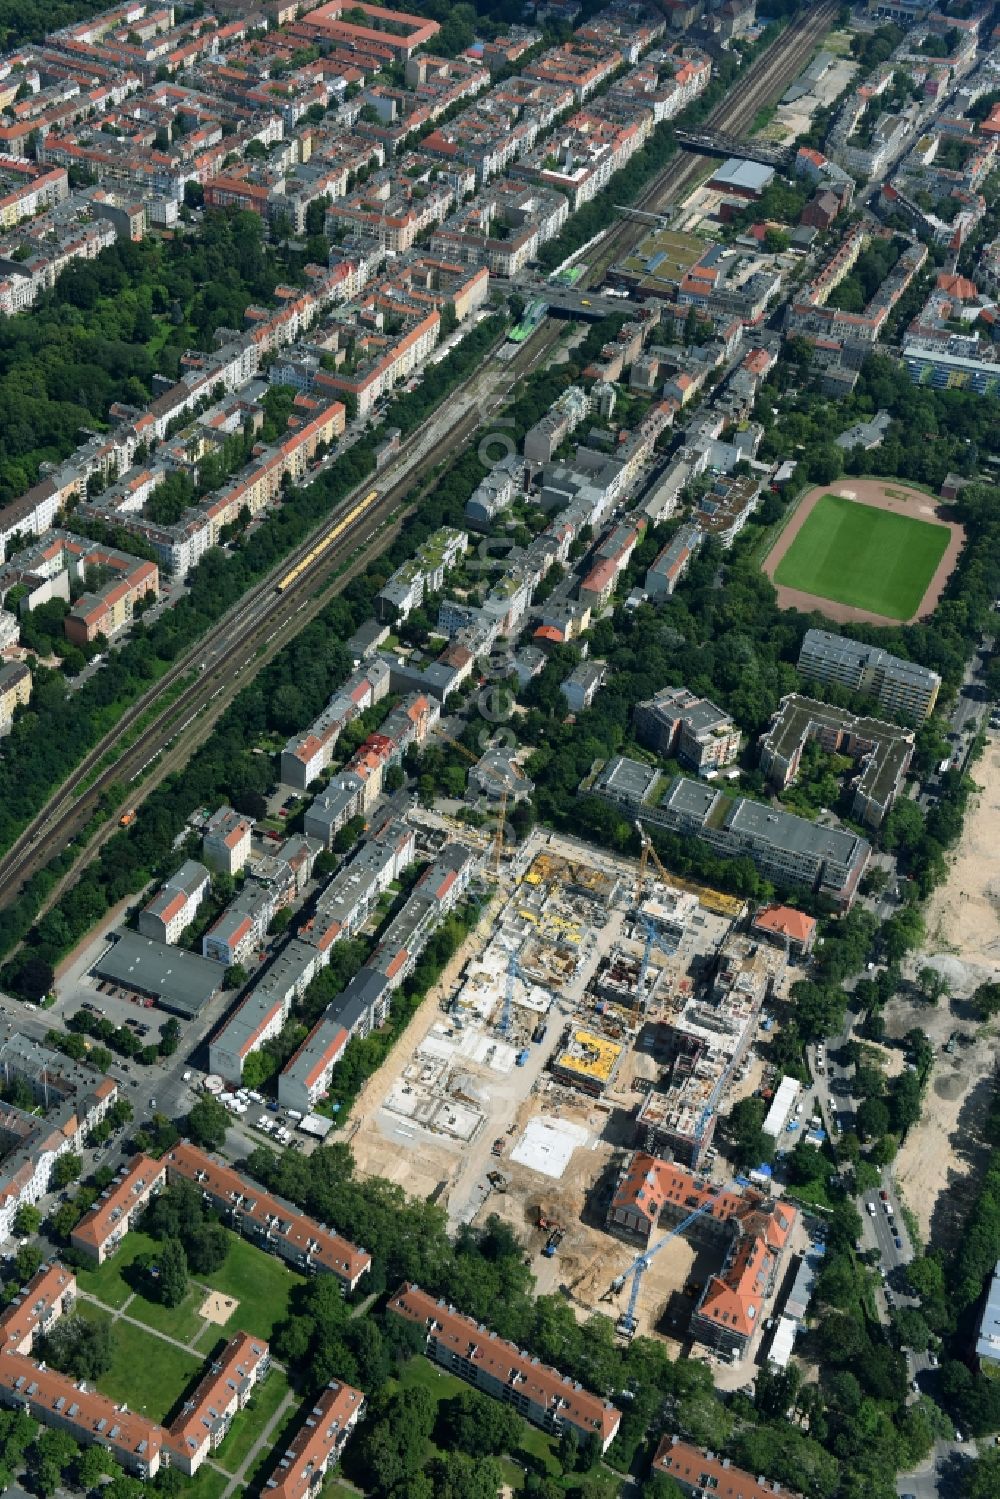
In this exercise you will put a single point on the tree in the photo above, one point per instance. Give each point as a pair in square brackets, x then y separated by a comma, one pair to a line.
[66, 1169]
[932, 984]
[206, 1248]
[986, 1001]
[27, 1262]
[475, 1424]
[661, 1486]
[27, 1220]
[93, 1464]
[80, 1347]
[750, 1146]
[873, 1118]
[52, 1454]
[983, 1478]
[454, 1475]
[170, 1037]
[235, 976]
[171, 1281]
[32, 977]
[207, 1122]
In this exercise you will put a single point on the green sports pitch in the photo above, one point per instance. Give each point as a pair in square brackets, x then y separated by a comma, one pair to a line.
[871, 559]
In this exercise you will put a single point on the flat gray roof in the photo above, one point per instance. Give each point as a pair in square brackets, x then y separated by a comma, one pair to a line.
[784, 830]
[175, 979]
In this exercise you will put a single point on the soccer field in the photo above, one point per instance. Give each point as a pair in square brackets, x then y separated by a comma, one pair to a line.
[859, 555]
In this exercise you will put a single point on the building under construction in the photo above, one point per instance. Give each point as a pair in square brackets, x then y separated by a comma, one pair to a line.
[706, 1041]
[587, 1061]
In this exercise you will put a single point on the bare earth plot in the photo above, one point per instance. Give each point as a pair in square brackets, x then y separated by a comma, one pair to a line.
[865, 550]
[963, 942]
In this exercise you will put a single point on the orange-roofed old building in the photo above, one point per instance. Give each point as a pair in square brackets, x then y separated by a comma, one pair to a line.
[656, 1195]
[267, 1220]
[41, 1302]
[498, 1368]
[207, 1413]
[317, 1444]
[117, 1210]
[784, 924]
[697, 1473]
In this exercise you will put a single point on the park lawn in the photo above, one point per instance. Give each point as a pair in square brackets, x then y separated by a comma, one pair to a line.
[106, 1282]
[207, 1484]
[871, 559]
[251, 1421]
[261, 1285]
[277, 1443]
[419, 1373]
[180, 1322]
[147, 1373]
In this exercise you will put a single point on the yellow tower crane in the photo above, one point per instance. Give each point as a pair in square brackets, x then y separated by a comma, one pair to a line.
[648, 852]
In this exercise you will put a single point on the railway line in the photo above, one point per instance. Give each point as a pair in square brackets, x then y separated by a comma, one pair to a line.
[764, 82]
[266, 617]
[263, 621]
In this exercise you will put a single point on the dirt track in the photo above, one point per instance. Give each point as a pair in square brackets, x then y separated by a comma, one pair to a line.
[884, 495]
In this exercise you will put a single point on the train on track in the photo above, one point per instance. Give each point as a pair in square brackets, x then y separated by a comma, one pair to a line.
[356, 513]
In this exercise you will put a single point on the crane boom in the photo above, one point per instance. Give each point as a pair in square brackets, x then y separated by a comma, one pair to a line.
[626, 1324]
[508, 999]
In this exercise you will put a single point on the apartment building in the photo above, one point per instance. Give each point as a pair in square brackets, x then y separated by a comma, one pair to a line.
[678, 724]
[15, 692]
[207, 1414]
[696, 1472]
[346, 902]
[611, 559]
[174, 907]
[503, 228]
[118, 1209]
[233, 937]
[754, 1231]
[226, 841]
[318, 1443]
[788, 849]
[537, 1392]
[882, 751]
[786, 927]
[900, 687]
[48, 1296]
[138, 1445]
[265, 1219]
[577, 66]
[305, 1078]
[62, 560]
[306, 756]
[396, 31]
[725, 509]
[424, 573]
[27, 188]
[671, 564]
[75, 1098]
[135, 1443]
[437, 891]
[542, 440]
[263, 1012]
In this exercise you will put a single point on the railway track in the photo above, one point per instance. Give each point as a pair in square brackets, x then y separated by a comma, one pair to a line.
[765, 81]
[262, 619]
[258, 626]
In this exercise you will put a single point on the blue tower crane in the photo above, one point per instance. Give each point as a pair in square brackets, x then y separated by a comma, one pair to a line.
[513, 973]
[627, 1324]
[654, 938]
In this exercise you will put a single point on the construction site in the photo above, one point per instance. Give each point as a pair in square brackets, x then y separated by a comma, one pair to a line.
[600, 1007]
